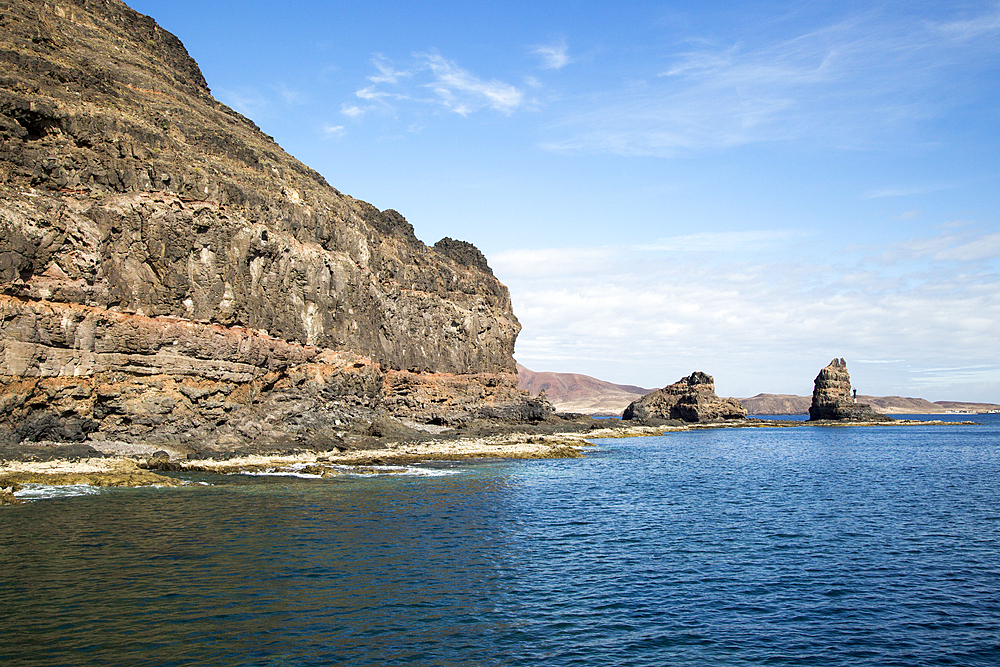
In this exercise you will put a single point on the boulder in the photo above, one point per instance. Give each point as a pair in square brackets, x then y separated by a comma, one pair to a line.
[832, 398]
[690, 399]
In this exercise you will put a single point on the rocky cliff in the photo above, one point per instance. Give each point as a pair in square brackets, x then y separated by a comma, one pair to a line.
[168, 272]
[832, 397]
[690, 399]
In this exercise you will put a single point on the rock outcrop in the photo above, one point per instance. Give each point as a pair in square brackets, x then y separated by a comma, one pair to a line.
[832, 399]
[690, 399]
[168, 273]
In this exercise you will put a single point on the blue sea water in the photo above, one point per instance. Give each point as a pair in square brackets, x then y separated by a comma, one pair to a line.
[780, 546]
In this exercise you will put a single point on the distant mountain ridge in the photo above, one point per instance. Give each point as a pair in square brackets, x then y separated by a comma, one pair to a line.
[572, 392]
[789, 404]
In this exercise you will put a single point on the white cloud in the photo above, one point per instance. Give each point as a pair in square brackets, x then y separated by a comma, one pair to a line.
[971, 248]
[333, 131]
[353, 111]
[853, 84]
[387, 73]
[462, 92]
[451, 87]
[649, 315]
[554, 56]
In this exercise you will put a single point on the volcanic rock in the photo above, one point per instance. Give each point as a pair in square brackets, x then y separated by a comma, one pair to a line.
[832, 397]
[691, 399]
[169, 275]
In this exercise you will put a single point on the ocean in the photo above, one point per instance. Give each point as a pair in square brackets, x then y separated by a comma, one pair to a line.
[773, 546]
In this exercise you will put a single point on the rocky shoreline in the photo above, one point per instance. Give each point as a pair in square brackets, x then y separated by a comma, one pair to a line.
[137, 470]
[63, 465]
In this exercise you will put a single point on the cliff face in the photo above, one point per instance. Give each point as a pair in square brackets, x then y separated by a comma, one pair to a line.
[691, 399]
[832, 397]
[148, 231]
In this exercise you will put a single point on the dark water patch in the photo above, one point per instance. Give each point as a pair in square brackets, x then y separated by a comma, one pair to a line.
[805, 546]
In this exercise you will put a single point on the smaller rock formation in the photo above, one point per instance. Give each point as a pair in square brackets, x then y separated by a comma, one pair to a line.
[691, 399]
[832, 397]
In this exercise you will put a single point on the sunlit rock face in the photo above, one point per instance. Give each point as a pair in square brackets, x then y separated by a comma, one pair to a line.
[149, 231]
[690, 399]
[832, 398]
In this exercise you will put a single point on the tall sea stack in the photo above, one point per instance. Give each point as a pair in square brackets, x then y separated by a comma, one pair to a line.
[832, 399]
[169, 274]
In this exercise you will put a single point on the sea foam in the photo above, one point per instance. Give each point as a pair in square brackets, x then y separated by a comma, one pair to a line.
[45, 491]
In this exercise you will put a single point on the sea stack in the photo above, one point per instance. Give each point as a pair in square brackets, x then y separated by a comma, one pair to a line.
[832, 399]
[690, 399]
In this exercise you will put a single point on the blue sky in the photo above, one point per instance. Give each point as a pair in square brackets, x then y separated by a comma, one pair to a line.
[747, 189]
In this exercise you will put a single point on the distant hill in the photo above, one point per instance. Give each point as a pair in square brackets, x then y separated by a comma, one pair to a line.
[789, 404]
[572, 392]
[777, 404]
[958, 406]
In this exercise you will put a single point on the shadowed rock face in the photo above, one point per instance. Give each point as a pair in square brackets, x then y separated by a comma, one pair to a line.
[691, 399]
[148, 231]
[832, 397]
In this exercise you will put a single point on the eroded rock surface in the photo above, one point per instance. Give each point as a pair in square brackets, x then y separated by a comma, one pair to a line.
[832, 398]
[168, 272]
[690, 399]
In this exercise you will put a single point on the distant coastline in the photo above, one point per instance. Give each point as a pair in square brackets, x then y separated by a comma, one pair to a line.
[790, 404]
[573, 392]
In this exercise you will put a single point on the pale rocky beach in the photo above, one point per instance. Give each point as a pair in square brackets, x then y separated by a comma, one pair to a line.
[136, 470]
[135, 465]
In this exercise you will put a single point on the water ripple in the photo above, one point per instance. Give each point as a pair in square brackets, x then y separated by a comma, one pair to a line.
[806, 546]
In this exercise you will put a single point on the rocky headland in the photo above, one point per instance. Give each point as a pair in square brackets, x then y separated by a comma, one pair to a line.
[169, 277]
[179, 294]
[832, 399]
[690, 399]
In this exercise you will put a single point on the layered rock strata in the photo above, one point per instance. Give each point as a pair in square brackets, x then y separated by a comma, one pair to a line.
[168, 272]
[690, 399]
[832, 399]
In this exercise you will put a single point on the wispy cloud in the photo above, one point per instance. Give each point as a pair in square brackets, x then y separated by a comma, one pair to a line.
[908, 191]
[431, 80]
[846, 85]
[554, 55]
[387, 73]
[333, 131]
[461, 91]
[771, 319]
[985, 25]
